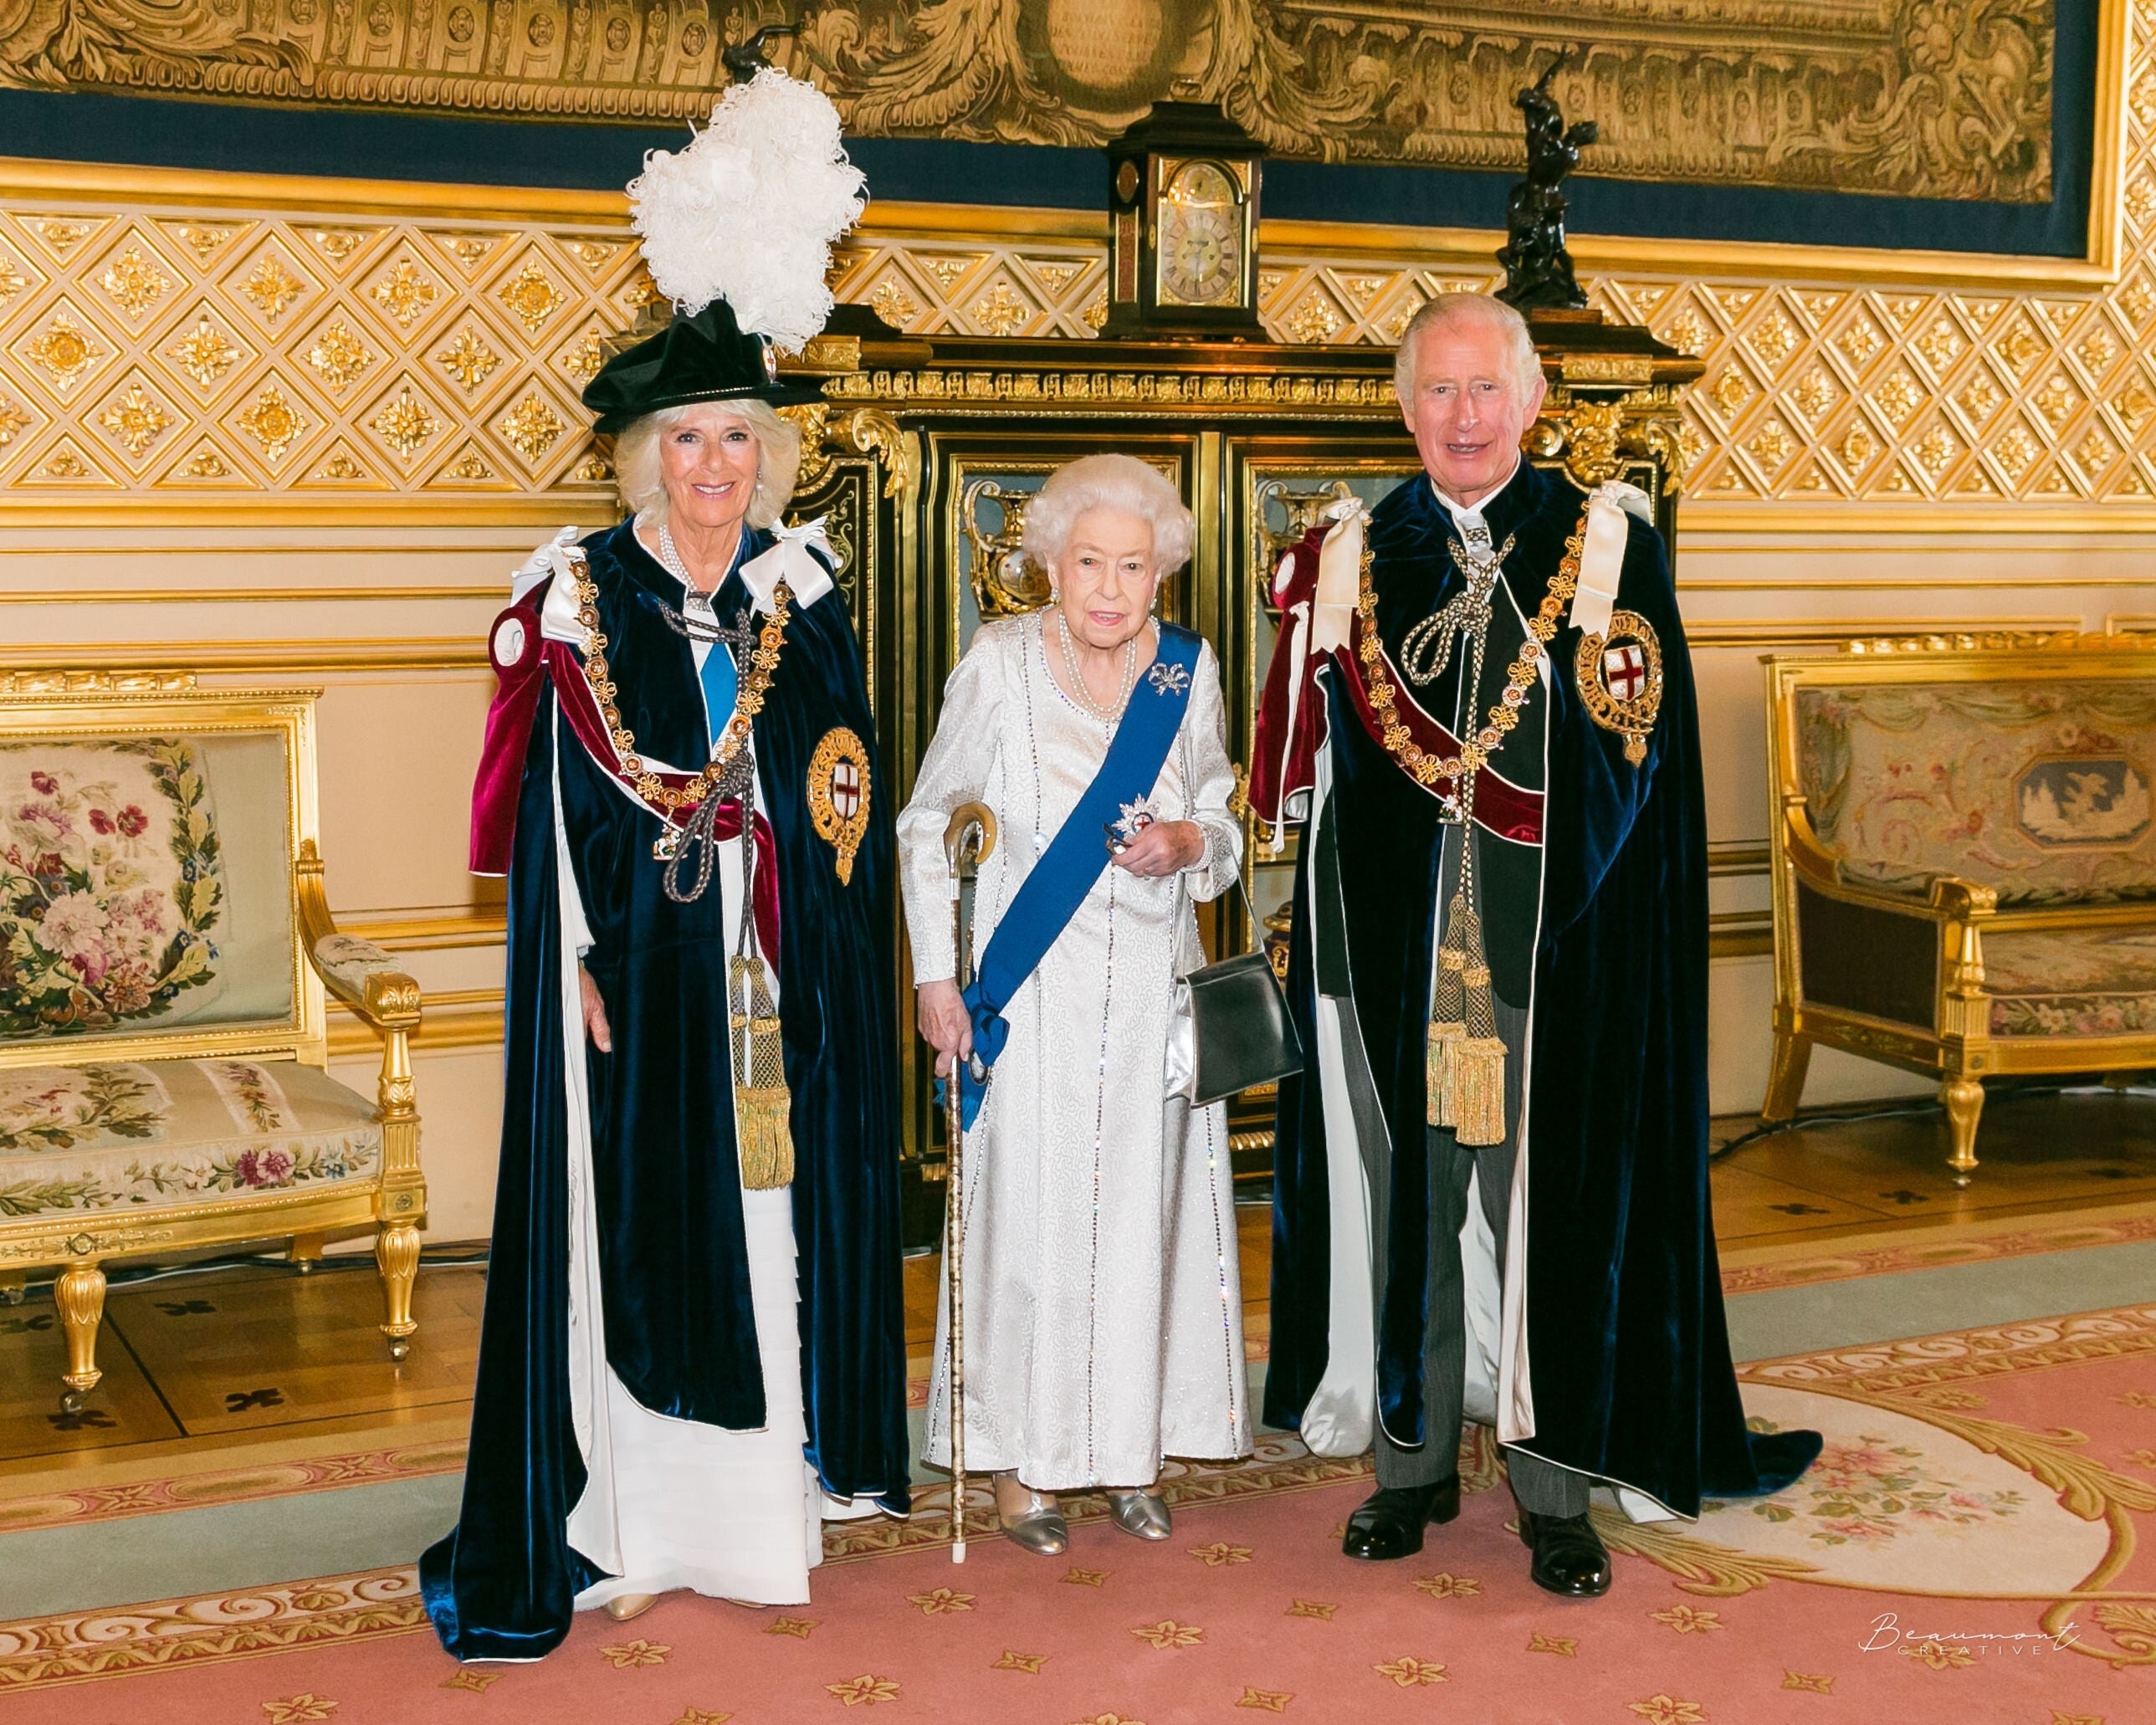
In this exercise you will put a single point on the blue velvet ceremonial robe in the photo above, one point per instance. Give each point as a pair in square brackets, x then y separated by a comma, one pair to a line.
[1629, 1352]
[679, 1329]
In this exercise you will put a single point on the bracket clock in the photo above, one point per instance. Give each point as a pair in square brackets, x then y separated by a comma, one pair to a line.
[1182, 225]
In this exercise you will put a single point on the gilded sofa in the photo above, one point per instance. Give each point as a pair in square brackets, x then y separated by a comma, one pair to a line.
[165, 948]
[1963, 859]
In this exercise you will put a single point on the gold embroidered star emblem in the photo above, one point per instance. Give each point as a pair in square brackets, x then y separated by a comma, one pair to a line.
[1168, 1633]
[697, 1716]
[1087, 1577]
[1318, 1609]
[797, 1627]
[478, 1682]
[1029, 1663]
[1449, 1586]
[1220, 1553]
[1936, 1654]
[1267, 1700]
[1668, 1710]
[1813, 1682]
[863, 1690]
[1563, 1645]
[1408, 1672]
[629, 1655]
[940, 1602]
[1686, 1621]
[295, 1709]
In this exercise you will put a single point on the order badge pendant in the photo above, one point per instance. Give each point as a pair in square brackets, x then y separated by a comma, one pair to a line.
[838, 796]
[1619, 674]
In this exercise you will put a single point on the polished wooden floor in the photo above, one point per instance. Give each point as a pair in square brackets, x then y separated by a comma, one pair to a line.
[216, 1365]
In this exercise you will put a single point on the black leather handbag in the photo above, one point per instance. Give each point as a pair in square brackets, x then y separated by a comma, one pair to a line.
[1239, 1030]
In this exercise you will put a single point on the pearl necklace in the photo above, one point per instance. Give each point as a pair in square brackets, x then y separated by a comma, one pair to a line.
[1081, 693]
[670, 554]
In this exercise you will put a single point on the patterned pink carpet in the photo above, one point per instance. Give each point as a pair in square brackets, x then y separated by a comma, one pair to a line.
[1973, 1546]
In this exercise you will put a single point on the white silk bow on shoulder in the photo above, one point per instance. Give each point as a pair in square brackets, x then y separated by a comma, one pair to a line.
[1601, 558]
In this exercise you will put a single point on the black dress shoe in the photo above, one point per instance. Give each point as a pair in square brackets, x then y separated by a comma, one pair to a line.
[1569, 1558]
[1388, 1523]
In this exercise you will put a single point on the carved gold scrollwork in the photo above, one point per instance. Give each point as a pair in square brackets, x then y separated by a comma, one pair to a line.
[1008, 580]
[811, 420]
[874, 432]
[1901, 96]
[1597, 437]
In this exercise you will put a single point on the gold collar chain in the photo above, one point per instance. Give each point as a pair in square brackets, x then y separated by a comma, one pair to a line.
[1475, 753]
[762, 660]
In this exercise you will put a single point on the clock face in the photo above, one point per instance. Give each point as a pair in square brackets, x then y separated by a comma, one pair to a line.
[1201, 237]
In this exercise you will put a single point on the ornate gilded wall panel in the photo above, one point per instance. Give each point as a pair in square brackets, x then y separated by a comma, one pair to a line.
[1903, 96]
[201, 357]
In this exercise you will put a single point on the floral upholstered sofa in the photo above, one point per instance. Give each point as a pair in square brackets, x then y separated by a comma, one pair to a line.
[165, 947]
[1964, 861]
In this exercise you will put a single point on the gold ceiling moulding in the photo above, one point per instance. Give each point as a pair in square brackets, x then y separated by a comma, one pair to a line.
[1902, 97]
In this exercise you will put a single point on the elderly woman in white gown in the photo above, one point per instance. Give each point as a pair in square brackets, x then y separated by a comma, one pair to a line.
[1104, 1316]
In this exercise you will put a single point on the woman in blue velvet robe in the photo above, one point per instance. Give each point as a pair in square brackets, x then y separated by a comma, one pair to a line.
[652, 1410]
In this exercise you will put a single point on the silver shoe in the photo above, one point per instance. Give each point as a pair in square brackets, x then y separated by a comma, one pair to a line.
[1141, 1513]
[1040, 1526]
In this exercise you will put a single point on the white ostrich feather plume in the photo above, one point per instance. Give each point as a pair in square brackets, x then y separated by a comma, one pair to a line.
[749, 211]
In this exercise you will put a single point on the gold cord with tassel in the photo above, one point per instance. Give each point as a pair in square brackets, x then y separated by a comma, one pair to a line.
[762, 1110]
[763, 1130]
[1448, 1017]
[1464, 1061]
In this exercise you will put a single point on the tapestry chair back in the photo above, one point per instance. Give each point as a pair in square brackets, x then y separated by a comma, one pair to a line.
[166, 949]
[1964, 862]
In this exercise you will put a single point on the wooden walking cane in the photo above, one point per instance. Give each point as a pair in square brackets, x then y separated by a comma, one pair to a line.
[969, 838]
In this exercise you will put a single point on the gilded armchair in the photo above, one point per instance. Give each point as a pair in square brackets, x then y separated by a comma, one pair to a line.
[166, 948]
[1963, 862]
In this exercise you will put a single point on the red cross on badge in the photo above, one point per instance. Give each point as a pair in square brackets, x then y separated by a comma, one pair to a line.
[838, 796]
[1624, 672]
[846, 789]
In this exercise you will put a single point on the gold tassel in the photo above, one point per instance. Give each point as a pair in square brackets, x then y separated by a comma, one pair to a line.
[762, 1110]
[1442, 1052]
[1448, 1018]
[1478, 1089]
[1475, 1096]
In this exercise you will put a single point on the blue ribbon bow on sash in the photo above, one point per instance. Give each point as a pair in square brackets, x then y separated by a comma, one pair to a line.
[1051, 894]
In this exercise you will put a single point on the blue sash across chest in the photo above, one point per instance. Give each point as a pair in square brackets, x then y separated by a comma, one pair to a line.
[1049, 896]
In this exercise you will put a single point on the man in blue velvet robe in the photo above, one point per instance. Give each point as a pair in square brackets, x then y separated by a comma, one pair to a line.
[1491, 1191]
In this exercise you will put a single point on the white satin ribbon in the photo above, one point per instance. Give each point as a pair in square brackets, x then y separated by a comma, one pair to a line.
[1602, 558]
[790, 560]
[1339, 575]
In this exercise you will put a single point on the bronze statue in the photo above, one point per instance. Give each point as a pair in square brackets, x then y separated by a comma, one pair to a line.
[1537, 268]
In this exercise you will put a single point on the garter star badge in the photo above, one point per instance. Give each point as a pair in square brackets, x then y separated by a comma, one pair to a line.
[838, 796]
[1618, 673]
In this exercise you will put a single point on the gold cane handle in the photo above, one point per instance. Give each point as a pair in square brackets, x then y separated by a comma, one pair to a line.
[969, 838]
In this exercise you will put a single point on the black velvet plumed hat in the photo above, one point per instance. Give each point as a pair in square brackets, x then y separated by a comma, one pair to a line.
[705, 357]
[736, 229]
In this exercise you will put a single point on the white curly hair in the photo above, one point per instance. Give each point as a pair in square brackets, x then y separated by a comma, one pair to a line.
[1119, 482]
[1494, 314]
[640, 477]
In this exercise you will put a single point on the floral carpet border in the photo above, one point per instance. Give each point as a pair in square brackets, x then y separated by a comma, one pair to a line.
[76, 1647]
[1936, 1250]
[76, 1506]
